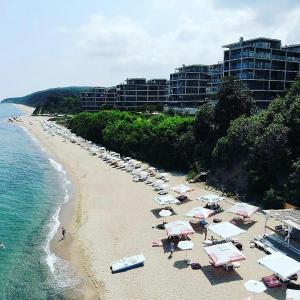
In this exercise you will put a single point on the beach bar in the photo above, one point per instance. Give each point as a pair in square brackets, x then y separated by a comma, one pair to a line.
[285, 236]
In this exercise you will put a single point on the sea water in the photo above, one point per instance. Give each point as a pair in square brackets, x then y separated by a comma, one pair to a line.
[33, 187]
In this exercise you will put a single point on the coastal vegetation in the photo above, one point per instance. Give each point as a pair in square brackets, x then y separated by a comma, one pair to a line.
[41, 98]
[161, 139]
[59, 105]
[249, 152]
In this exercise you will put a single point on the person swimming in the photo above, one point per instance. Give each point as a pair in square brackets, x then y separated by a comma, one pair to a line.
[2, 246]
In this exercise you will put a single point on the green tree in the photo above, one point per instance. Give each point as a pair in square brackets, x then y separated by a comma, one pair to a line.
[234, 100]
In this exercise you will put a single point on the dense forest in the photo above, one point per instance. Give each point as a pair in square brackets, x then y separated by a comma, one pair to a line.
[250, 152]
[41, 98]
[60, 105]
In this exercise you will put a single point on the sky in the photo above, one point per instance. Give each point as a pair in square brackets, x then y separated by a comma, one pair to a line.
[54, 43]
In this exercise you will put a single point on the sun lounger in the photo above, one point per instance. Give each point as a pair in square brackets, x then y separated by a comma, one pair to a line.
[157, 244]
[271, 281]
[293, 286]
[259, 245]
[217, 220]
[195, 266]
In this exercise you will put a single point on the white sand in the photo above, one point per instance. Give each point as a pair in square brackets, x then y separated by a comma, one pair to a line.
[113, 219]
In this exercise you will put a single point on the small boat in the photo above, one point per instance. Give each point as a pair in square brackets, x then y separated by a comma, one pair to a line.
[127, 263]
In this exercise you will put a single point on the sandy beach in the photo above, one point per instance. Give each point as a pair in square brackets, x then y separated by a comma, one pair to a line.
[111, 217]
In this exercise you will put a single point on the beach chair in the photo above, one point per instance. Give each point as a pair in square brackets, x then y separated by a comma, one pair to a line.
[195, 266]
[271, 281]
[157, 244]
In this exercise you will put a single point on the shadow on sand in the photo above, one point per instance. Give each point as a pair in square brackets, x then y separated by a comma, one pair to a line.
[197, 227]
[246, 226]
[220, 275]
[180, 264]
[185, 201]
[277, 293]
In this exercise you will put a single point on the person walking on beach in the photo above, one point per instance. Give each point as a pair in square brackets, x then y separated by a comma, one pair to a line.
[63, 233]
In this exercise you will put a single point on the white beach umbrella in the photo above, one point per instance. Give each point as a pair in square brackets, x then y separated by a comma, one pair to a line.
[179, 228]
[166, 199]
[255, 287]
[282, 265]
[225, 230]
[165, 213]
[222, 254]
[181, 188]
[210, 198]
[199, 212]
[185, 245]
[243, 209]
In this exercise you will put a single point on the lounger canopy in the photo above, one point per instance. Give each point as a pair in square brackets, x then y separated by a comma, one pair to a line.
[199, 212]
[225, 230]
[222, 254]
[243, 209]
[210, 198]
[179, 228]
[166, 199]
[282, 265]
[181, 188]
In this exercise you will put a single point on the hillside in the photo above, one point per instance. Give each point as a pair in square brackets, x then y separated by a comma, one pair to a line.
[42, 97]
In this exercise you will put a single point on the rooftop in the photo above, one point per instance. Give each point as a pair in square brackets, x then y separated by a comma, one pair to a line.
[251, 40]
[288, 216]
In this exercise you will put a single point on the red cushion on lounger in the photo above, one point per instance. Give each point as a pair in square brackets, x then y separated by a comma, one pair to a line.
[273, 283]
[269, 278]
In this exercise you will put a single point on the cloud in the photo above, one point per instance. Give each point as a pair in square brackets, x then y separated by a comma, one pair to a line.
[190, 34]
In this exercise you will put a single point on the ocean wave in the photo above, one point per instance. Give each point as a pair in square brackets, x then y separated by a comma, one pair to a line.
[57, 166]
[51, 258]
[64, 274]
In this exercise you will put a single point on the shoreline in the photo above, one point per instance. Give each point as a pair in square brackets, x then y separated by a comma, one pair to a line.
[114, 216]
[71, 250]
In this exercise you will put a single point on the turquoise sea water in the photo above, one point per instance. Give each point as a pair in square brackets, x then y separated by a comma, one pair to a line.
[32, 188]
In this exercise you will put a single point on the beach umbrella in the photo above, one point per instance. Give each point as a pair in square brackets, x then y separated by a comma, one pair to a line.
[225, 230]
[255, 287]
[165, 213]
[282, 265]
[185, 245]
[179, 228]
[181, 188]
[222, 254]
[210, 198]
[243, 209]
[199, 213]
[166, 200]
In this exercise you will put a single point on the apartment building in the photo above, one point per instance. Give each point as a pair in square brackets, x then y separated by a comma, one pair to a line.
[133, 92]
[140, 92]
[92, 100]
[216, 75]
[266, 67]
[188, 85]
